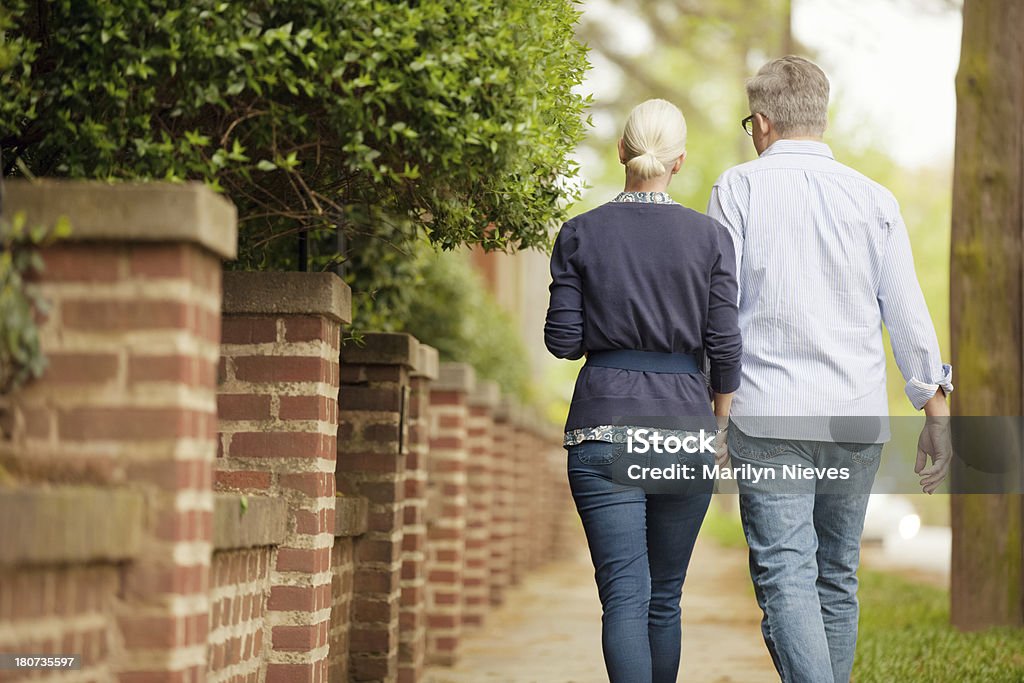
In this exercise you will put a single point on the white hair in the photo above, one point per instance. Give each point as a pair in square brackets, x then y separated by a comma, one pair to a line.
[654, 137]
[792, 93]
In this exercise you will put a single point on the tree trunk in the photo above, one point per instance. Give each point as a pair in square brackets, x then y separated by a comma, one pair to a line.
[986, 298]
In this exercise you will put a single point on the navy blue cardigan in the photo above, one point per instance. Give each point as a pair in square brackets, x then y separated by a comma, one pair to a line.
[646, 276]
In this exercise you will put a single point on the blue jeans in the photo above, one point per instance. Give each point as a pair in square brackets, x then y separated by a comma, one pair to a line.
[640, 545]
[804, 552]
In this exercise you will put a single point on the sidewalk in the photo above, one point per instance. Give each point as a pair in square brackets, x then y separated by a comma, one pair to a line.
[549, 630]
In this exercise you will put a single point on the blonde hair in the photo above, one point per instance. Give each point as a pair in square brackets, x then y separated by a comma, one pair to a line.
[654, 137]
[793, 93]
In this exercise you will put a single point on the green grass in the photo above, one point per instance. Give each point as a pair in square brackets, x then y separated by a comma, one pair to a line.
[905, 635]
[722, 523]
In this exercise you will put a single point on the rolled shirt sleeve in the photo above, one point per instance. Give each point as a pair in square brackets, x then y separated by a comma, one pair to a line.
[905, 314]
[563, 326]
[722, 341]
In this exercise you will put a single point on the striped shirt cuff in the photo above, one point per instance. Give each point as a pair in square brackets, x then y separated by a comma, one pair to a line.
[920, 392]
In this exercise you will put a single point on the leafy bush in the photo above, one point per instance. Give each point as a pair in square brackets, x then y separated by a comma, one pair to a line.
[21, 357]
[362, 115]
[452, 311]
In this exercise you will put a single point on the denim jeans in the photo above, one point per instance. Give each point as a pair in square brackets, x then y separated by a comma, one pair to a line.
[640, 545]
[804, 552]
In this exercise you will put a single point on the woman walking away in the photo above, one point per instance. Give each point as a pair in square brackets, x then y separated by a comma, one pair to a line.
[645, 288]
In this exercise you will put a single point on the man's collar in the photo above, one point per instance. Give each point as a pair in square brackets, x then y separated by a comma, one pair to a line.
[785, 146]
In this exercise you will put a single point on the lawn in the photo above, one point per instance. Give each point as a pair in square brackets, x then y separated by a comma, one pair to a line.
[905, 634]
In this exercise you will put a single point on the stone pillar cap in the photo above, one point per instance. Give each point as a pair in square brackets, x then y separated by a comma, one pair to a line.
[455, 377]
[382, 348]
[294, 293]
[428, 363]
[131, 212]
[487, 394]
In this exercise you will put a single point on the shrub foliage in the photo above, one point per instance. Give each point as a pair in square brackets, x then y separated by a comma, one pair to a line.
[382, 119]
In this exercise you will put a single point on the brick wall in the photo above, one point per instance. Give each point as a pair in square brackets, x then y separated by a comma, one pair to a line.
[446, 500]
[278, 431]
[504, 462]
[372, 448]
[198, 490]
[413, 583]
[480, 502]
[127, 407]
[239, 583]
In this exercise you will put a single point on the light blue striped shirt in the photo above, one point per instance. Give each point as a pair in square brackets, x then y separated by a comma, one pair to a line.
[823, 260]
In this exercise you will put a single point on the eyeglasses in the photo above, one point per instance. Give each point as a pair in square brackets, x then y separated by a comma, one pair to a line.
[748, 125]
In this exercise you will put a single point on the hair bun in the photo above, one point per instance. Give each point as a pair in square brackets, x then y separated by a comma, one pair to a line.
[646, 165]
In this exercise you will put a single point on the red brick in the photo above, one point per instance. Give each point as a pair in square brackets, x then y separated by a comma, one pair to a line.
[300, 328]
[295, 638]
[447, 398]
[79, 368]
[248, 330]
[289, 598]
[372, 550]
[369, 610]
[291, 673]
[149, 632]
[161, 261]
[170, 368]
[279, 445]
[135, 314]
[369, 580]
[126, 423]
[370, 462]
[243, 480]
[371, 640]
[282, 369]
[372, 668]
[154, 677]
[82, 263]
[382, 432]
[382, 492]
[450, 421]
[300, 560]
[243, 407]
[38, 422]
[305, 408]
[313, 484]
[370, 398]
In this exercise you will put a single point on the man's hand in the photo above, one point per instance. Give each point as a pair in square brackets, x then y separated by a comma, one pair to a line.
[723, 402]
[722, 446]
[935, 444]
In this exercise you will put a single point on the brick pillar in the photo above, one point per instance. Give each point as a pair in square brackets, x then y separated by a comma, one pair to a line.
[476, 580]
[412, 617]
[278, 424]
[504, 462]
[126, 408]
[372, 447]
[522, 496]
[446, 530]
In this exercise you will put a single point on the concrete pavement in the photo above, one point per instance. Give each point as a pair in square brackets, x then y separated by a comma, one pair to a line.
[549, 630]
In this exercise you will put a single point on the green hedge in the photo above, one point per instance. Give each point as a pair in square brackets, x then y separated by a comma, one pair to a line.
[451, 310]
[388, 120]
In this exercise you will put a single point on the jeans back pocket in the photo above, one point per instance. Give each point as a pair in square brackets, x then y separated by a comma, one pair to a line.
[599, 452]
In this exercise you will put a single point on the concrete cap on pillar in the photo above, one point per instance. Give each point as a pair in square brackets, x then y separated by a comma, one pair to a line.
[487, 394]
[382, 348]
[427, 363]
[261, 293]
[455, 377]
